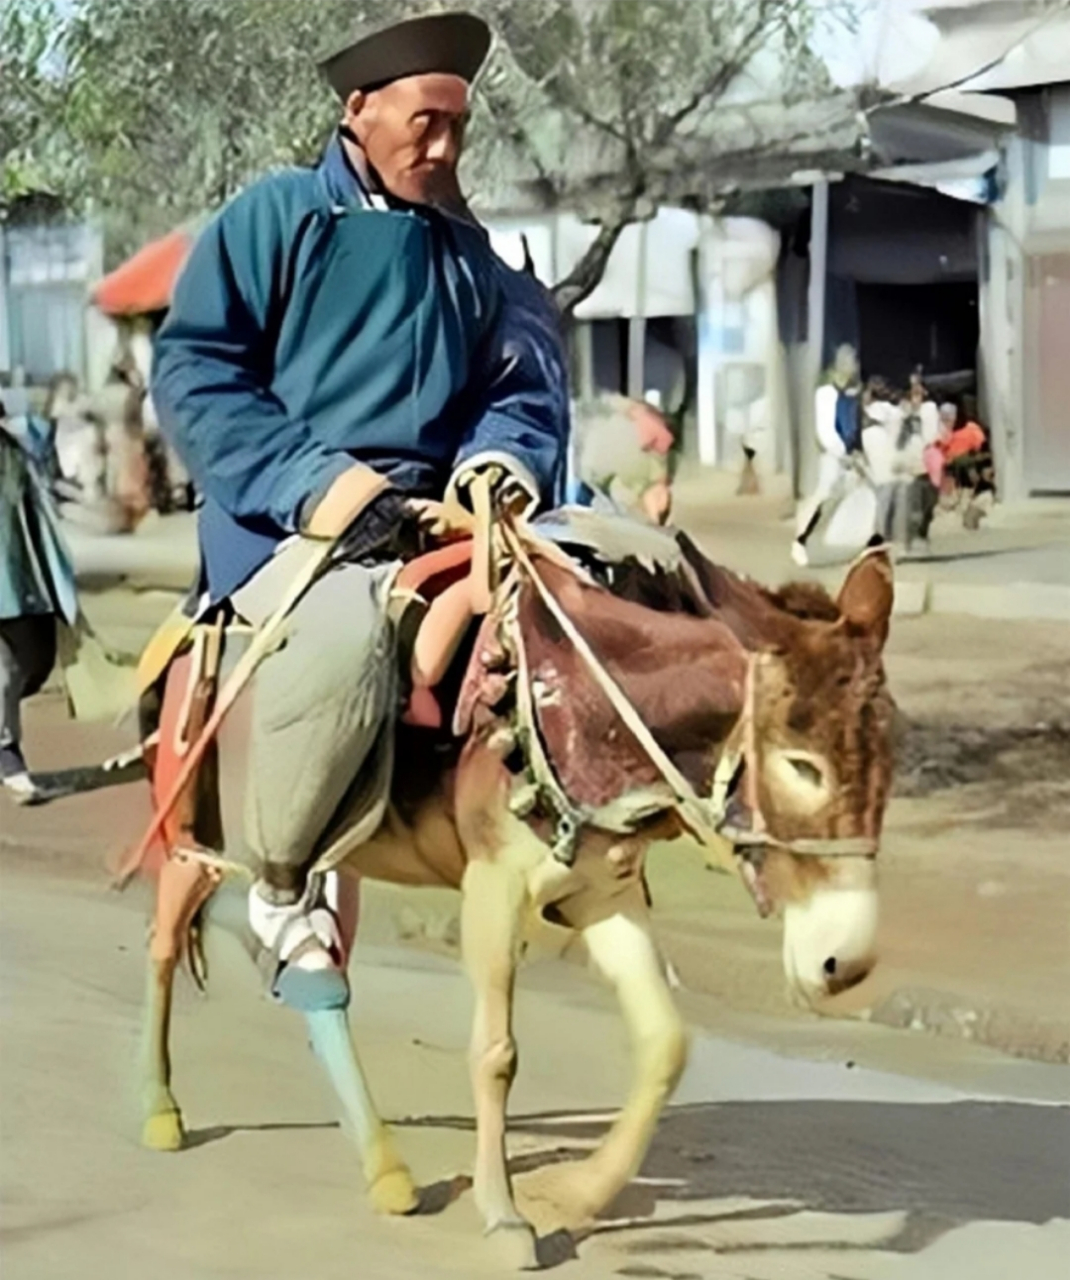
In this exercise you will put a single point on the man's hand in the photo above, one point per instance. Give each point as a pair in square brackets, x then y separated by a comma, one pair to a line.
[508, 495]
[657, 502]
[442, 521]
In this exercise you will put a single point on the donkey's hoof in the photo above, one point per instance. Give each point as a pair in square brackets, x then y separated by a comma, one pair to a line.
[163, 1132]
[514, 1245]
[395, 1193]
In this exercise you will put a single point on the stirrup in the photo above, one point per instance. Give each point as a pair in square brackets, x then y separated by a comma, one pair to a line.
[310, 990]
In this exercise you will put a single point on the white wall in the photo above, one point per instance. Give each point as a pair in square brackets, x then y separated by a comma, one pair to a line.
[558, 242]
[741, 389]
[1017, 231]
[741, 378]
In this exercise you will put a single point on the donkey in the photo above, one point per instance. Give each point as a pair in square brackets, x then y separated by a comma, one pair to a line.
[768, 708]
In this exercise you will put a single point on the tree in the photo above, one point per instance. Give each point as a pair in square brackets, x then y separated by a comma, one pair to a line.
[152, 113]
[612, 107]
[31, 99]
[167, 108]
[177, 104]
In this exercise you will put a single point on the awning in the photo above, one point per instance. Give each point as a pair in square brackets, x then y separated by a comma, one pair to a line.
[145, 282]
[969, 179]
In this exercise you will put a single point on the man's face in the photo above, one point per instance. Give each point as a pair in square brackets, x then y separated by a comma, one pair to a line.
[846, 363]
[411, 132]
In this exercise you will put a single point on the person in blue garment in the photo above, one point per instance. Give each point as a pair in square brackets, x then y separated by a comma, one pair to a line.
[37, 586]
[343, 351]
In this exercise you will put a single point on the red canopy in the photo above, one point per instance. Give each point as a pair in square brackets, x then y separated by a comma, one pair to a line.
[144, 282]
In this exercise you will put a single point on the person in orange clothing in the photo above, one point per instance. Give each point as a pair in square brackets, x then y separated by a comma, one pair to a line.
[964, 440]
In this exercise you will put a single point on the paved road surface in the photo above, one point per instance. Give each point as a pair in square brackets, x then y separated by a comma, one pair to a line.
[767, 1168]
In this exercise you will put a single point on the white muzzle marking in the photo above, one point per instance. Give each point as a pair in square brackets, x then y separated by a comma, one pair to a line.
[830, 941]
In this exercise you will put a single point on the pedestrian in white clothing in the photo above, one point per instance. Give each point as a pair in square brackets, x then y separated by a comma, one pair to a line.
[837, 427]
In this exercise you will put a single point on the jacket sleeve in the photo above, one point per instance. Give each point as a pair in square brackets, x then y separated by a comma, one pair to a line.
[521, 417]
[211, 378]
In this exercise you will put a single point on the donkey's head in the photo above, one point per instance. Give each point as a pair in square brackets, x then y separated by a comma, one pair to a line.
[808, 801]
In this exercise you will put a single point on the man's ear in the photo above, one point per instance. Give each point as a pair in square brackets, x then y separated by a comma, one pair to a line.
[355, 104]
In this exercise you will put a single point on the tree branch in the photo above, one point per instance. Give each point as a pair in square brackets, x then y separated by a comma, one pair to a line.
[716, 84]
[587, 274]
[559, 85]
[504, 116]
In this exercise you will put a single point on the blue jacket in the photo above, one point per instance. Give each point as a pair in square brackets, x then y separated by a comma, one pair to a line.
[36, 573]
[309, 329]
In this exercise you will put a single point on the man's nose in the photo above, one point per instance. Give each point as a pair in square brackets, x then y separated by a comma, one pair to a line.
[442, 147]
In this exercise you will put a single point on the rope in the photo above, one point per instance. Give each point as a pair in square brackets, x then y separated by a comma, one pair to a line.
[693, 809]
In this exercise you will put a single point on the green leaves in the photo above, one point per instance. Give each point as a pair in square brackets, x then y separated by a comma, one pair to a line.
[152, 111]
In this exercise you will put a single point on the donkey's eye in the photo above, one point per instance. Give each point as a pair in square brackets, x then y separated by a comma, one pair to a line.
[807, 771]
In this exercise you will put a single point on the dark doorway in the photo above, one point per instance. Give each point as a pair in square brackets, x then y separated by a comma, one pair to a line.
[902, 326]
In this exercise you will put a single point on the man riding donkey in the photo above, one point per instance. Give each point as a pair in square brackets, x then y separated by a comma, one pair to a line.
[343, 352]
[346, 366]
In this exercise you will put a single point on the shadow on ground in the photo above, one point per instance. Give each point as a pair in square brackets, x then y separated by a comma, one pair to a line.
[937, 1165]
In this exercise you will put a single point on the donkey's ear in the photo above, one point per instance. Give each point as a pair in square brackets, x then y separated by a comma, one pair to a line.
[868, 593]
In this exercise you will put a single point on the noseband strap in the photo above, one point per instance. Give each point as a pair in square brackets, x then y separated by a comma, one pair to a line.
[844, 847]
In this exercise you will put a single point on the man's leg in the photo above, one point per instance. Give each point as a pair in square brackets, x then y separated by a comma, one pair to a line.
[11, 759]
[829, 474]
[886, 504]
[289, 753]
[27, 655]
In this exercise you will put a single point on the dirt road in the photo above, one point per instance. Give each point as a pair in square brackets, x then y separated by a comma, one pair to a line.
[975, 874]
[767, 1166]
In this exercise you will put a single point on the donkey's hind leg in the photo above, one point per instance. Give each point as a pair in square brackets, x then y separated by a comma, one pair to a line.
[183, 887]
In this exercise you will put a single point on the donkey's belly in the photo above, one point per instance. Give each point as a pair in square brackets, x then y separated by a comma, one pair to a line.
[427, 853]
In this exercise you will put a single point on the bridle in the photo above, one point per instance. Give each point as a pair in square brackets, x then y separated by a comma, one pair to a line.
[742, 754]
[705, 817]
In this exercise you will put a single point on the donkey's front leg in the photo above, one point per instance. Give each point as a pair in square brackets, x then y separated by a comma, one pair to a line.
[494, 897]
[623, 949]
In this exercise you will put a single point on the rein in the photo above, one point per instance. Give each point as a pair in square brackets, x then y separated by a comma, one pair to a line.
[692, 808]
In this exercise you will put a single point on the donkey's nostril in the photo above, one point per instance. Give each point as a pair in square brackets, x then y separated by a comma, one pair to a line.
[830, 966]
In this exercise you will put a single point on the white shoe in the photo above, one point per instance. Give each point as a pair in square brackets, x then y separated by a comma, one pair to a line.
[798, 554]
[23, 788]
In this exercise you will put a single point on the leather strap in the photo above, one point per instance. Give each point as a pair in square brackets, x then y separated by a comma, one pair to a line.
[696, 812]
[262, 644]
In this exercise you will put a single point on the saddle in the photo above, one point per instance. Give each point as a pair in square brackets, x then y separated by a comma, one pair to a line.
[434, 610]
